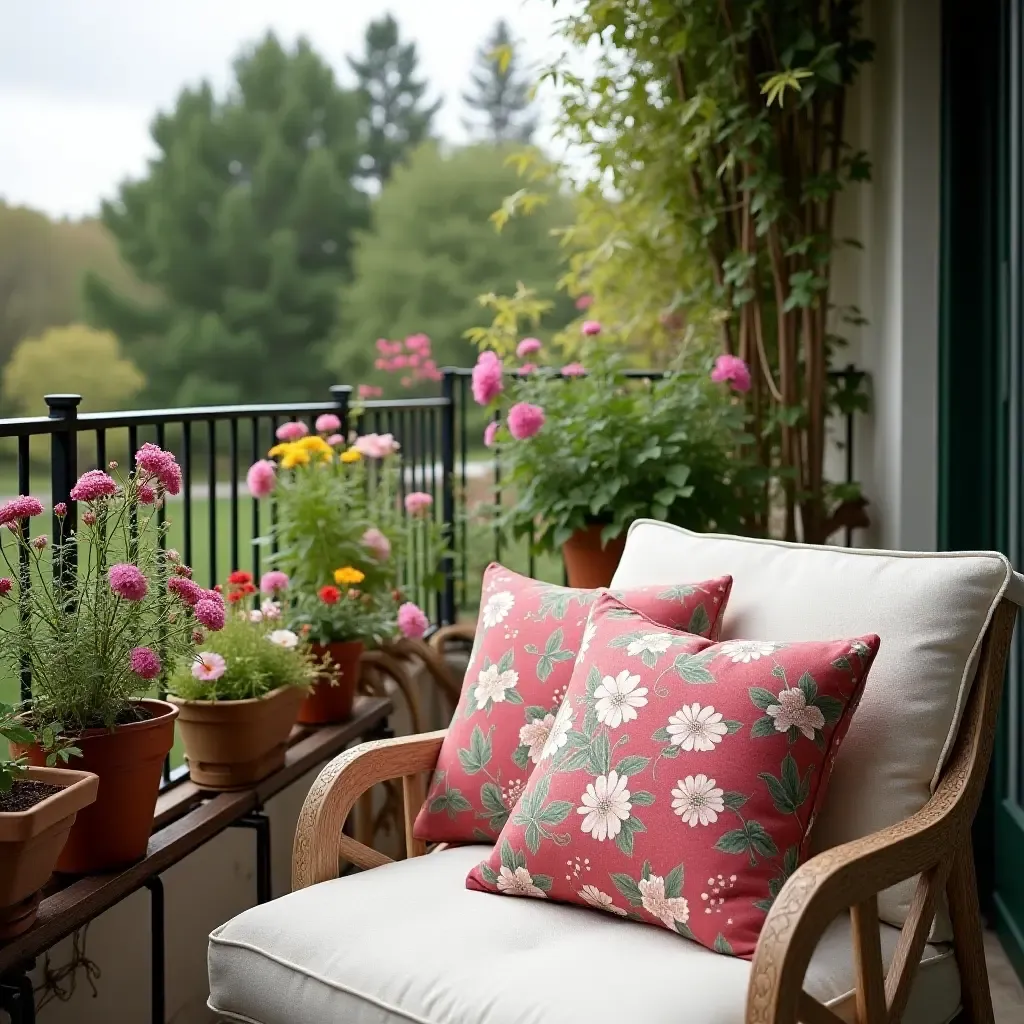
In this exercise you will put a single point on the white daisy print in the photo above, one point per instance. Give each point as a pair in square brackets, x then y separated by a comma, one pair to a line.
[559, 734]
[618, 698]
[497, 607]
[746, 651]
[605, 806]
[518, 883]
[697, 800]
[491, 685]
[793, 711]
[588, 636]
[601, 900]
[656, 643]
[535, 735]
[695, 728]
[667, 909]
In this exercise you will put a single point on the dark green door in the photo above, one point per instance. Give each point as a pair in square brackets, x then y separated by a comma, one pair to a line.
[982, 377]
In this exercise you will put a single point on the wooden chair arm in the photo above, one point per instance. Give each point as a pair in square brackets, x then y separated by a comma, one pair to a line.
[319, 841]
[461, 632]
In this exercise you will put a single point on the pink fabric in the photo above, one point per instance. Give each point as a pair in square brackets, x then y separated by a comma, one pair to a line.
[528, 637]
[680, 778]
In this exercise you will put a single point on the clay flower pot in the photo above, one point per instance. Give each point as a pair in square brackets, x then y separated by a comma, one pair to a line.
[332, 695]
[231, 744]
[31, 840]
[114, 831]
[587, 563]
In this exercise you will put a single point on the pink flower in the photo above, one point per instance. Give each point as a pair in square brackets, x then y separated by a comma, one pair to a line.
[171, 477]
[584, 302]
[6, 585]
[153, 459]
[417, 503]
[147, 495]
[526, 369]
[731, 369]
[370, 391]
[379, 545]
[327, 423]
[335, 439]
[376, 446]
[411, 621]
[487, 382]
[573, 370]
[261, 478]
[591, 327]
[489, 431]
[189, 592]
[60, 510]
[40, 542]
[210, 613]
[209, 666]
[429, 370]
[527, 347]
[89, 518]
[92, 486]
[382, 364]
[145, 662]
[271, 609]
[127, 581]
[172, 555]
[274, 581]
[418, 343]
[291, 431]
[20, 508]
[198, 636]
[524, 420]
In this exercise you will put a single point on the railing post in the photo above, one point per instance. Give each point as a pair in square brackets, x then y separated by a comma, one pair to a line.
[63, 474]
[447, 596]
[342, 395]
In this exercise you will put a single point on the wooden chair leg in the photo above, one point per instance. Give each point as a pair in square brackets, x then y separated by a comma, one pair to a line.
[968, 941]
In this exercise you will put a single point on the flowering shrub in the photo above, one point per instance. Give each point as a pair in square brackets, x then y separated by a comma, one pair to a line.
[253, 654]
[343, 610]
[584, 443]
[100, 635]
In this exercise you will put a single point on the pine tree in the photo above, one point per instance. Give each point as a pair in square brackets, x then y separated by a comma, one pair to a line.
[244, 223]
[500, 91]
[392, 119]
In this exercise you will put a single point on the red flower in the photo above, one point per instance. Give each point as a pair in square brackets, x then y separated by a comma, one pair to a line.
[235, 595]
[248, 588]
[329, 594]
[240, 576]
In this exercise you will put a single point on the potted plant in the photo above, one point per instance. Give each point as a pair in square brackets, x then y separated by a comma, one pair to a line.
[37, 809]
[239, 698]
[586, 448]
[103, 621]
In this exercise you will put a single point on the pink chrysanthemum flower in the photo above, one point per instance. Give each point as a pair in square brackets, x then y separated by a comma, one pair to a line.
[40, 542]
[528, 347]
[274, 581]
[376, 446]
[327, 423]
[261, 478]
[291, 431]
[584, 302]
[147, 495]
[210, 613]
[145, 662]
[20, 508]
[524, 420]
[370, 391]
[60, 510]
[418, 503]
[89, 518]
[591, 328]
[573, 370]
[733, 370]
[6, 585]
[127, 581]
[486, 383]
[411, 621]
[489, 432]
[187, 590]
[335, 439]
[379, 545]
[92, 486]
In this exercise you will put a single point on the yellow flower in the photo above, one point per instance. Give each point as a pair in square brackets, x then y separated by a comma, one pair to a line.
[348, 575]
[350, 455]
[312, 443]
[279, 449]
[295, 456]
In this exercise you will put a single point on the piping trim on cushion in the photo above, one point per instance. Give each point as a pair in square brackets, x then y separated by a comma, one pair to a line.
[231, 1014]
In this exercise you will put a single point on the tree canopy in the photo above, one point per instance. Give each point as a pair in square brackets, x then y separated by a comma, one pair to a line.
[244, 221]
[499, 91]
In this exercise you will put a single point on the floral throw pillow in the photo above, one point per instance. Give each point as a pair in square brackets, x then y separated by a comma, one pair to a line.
[528, 637]
[681, 777]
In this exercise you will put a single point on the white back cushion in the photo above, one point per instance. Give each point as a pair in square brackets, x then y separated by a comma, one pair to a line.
[930, 610]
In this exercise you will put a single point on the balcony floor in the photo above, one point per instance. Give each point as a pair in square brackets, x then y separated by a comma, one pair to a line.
[1007, 991]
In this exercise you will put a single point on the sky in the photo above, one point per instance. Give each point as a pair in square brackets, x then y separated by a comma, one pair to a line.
[80, 80]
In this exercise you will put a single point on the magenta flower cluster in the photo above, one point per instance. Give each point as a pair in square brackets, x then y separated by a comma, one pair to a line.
[145, 662]
[327, 423]
[486, 382]
[23, 507]
[417, 503]
[291, 431]
[93, 486]
[261, 478]
[524, 420]
[411, 621]
[187, 590]
[274, 581]
[162, 465]
[210, 611]
[731, 370]
[412, 358]
[127, 581]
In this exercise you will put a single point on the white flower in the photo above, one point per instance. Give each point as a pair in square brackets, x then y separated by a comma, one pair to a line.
[592, 895]
[793, 711]
[605, 806]
[588, 635]
[497, 607]
[618, 699]
[697, 800]
[695, 728]
[255, 615]
[535, 735]
[747, 651]
[656, 643]
[271, 609]
[559, 734]
[492, 684]
[518, 883]
[284, 638]
[667, 909]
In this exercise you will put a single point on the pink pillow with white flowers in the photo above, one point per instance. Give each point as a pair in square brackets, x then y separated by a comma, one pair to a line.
[681, 778]
[528, 636]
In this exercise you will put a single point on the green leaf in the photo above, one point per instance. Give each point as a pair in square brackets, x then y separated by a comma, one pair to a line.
[575, 760]
[722, 945]
[700, 623]
[632, 764]
[508, 858]
[624, 840]
[661, 735]
[831, 709]
[790, 775]
[764, 726]
[513, 697]
[506, 661]
[542, 882]
[593, 681]
[677, 475]
[521, 756]
[646, 870]
[641, 798]
[554, 642]
[684, 930]
[670, 751]
[532, 836]
[555, 812]
[629, 889]
[691, 669]
[679, 592]
[762, 698]
[761, 842]
[782, 799]
[457, 803]
[535, 712]
[809, 686]
[492, 800]
[733, 801]
[764, 905]
[488, 875]
[600, 755]
[733, 726]
[674, 882]
[733, 841]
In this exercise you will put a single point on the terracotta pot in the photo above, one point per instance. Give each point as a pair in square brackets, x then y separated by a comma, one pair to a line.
[587, 563]
[114, 831]
[231, 744]
[332, 695]
[31, 841]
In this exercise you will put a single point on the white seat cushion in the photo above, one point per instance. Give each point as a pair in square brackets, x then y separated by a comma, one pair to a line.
[408, 942]
[930, 611]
